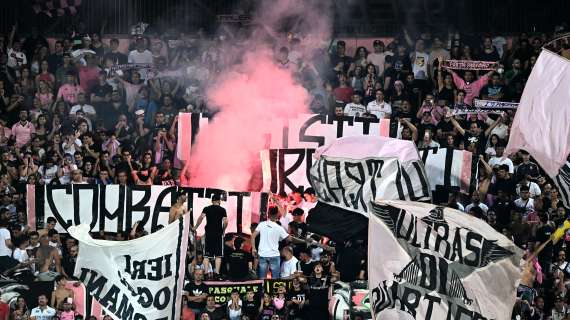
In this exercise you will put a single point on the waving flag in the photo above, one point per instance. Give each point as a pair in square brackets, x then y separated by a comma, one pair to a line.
[541, 124]
[429, 262]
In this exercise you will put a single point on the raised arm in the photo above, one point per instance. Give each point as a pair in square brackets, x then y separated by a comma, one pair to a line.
[496, 123]
[457, 126]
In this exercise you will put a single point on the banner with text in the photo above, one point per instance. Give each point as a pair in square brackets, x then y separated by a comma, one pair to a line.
[136, 279]
[303, 134]
[353, 171]
[432, 263]
[114, 208]
[222, 290]
[469, 65]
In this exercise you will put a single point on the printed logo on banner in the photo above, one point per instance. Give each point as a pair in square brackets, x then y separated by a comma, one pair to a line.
[441, 255]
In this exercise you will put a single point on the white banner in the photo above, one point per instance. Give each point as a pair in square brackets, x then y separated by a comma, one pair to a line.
[432, 263]
[353, 171]
[138, 279]
[115, 208]
[450, 168]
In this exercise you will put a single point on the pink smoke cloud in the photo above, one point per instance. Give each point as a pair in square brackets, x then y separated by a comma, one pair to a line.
[250, 97]
[255, 94]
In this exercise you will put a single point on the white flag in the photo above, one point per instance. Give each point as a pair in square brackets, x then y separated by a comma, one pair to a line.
[429, 262]
[352, 171]
[137, 279]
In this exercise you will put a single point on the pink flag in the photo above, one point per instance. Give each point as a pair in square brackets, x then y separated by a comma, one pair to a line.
[542, 122]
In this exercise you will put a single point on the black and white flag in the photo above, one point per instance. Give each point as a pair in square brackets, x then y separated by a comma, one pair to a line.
[429, 262]
[137, 279]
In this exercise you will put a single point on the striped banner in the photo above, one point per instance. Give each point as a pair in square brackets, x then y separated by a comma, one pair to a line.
[562, 182]
[450, 168]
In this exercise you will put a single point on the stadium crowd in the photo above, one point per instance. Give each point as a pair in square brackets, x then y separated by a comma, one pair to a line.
[76, 113]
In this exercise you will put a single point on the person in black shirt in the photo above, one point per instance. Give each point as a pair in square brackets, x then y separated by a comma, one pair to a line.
[306, 263]
[239, 262]
[250, 304]
[196, 293]
[297, 300]
[319, 285]
[216, 223]
[114, 55]
[215, 313]
[474, 137]
[502, 208]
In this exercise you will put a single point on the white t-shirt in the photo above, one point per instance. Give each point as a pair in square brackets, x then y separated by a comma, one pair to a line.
[533, 189]
[288, 268]
[47, 173]
[270, 233]
[141, 57]
[481, 205]
[419, 65]
[45, 314]
[87, 109]
[379, 59]
[380, 110]
[21, 255]
[4, 235]
[527, 205]
[497, 161]
[70, 148]
[16, 59]
[354, 110]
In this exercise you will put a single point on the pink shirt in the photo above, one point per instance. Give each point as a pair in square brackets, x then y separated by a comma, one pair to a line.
[471, 89]
[88, 77]
[69, 92]
[23, 133]
[67, 315]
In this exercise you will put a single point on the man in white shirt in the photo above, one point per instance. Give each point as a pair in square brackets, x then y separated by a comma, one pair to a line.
[142, 56]
[533, 187]
[476, 202]
[355, 108]
[5, 240]
[270, 233]
[42, 311]
[525, 203]
[290, 264]
[497, 160]
[82, 105]
[378, 107]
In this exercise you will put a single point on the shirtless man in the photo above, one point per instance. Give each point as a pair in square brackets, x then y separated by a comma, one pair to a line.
[48, 262]
[61, 293]
[178, 209]
[50, 224]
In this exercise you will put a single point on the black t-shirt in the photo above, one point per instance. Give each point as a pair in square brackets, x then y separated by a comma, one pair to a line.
[506, 185]
[296, 310]
[503, 209]
[319, 292]
[218, 313]
[195, 290]
[492, 56]
[307, 268]
[214, 216]
[239, 264]
[250, 308]
[346, 60]
[479, 141]
[102, 90]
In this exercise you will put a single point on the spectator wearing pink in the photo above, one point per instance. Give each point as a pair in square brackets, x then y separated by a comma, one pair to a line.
[89, 75]
[69, 91]
[471, 88]
[23, 130]
[433, 108]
